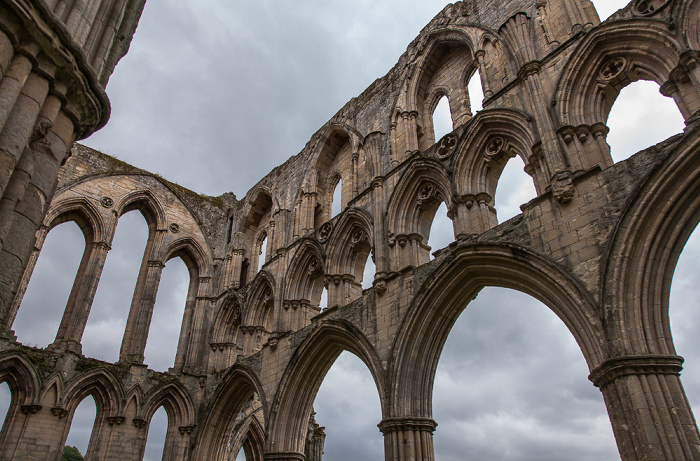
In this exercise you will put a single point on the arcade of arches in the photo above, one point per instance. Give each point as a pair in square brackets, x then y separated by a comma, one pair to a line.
[598, 244]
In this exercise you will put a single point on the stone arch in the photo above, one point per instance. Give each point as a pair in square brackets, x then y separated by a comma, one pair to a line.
[447, 292]
[608, 59]
[254, 227]
[688, 13]
[83, 213]
[254, 440]
[239, 385]
[192, 253]
[422, 188]
[645, 249]
[348, 248]
[99, 383]
[305, 273]
[444, 48]
[226, 340]
[258, 313]
[147, 203]
[493, 137]
[177, 403]
[335, 158]
[310, 362]
[22, 378]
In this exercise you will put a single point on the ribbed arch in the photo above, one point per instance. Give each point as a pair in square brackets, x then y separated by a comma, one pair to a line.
[645, 250]
[451, 287]
[305, 274]
[177, 403]
[492, 138]
[258, 310]
[22, 378]
[147, 203]
[689, 11]
[83, 213]
[237, 388]
[228, 320]
[611, 57]
[304, 375]
[105, 389]
[350, 243]
[192, 253]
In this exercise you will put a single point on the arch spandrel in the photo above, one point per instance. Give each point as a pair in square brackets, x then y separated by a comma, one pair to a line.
[176, 400]
[303, 376]
[448, 290]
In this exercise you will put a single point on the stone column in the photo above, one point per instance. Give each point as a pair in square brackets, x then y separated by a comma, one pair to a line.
[649, 411]
[481, 65]
[408, 439]
[72, 327]
[187, 324]
[381, 256]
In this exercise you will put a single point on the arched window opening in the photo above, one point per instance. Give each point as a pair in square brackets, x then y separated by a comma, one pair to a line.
[81, 425]
[167, 315]
[348, 406]
[245, 266]
[5, 401]
[641, 117]
[241, 455]
[155, 441]
[324, 299]
[476, 93]
[441, 230]
[50, 286]
[511, 371]
[368, 273]
[442, 118]
[262, 257]
[515, 188]
[337, 205]
[110, 308]
[685, 316]
[605, 8]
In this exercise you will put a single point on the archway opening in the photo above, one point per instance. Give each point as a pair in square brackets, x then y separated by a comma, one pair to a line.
[167, 315]
[323, 304]
[641, 117]
[515, 187]
[442, 118]
[337, 205]
[685, 316]
[241, 455]
[82, 425]
[348, 407]
[155, 440]
[368, 273]
[50, 285]
[262, 257]
[511, 371]
[441, 231]
[5, 401]
[476, 93]
[110, 308]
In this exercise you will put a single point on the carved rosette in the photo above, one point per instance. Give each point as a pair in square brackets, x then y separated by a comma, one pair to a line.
[315, 268]
[324, 232]
[174, 228]
[358, 236]
[107, 202]
[428, 190]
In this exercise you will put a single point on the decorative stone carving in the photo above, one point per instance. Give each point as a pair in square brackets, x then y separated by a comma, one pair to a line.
[612, 68]
[358, 235]
[380, 287]
[107, 202]
[446, 146]
[495, 146]
[174, 228]
[324, 232]
[59, 412]
[649, 7]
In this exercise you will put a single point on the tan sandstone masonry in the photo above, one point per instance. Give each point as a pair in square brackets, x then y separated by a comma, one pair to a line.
[598, 245]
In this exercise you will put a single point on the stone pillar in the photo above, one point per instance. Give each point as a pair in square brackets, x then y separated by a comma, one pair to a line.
[125, 440]
[141, 311]
[187, 324]
[70, 331]
[381, 251]
[408, 439]
[649, 411]
[481, 65]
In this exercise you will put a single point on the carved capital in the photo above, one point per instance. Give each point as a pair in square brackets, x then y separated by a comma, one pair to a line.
[612, 369]
[59, 412]
[30, 409]
[112, 420]
[185, 429]
[139, 423]
[407, 424]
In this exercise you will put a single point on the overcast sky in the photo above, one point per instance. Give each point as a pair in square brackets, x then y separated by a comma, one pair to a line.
[213, 95]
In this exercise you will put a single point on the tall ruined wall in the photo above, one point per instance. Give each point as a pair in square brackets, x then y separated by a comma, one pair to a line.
[597, 245]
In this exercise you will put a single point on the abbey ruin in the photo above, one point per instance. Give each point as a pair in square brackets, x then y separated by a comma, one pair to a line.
[598, 245]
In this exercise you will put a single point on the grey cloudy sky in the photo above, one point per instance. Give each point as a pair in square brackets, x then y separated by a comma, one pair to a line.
[213, 95]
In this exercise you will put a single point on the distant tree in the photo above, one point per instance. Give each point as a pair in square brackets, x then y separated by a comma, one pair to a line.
[71, 454]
